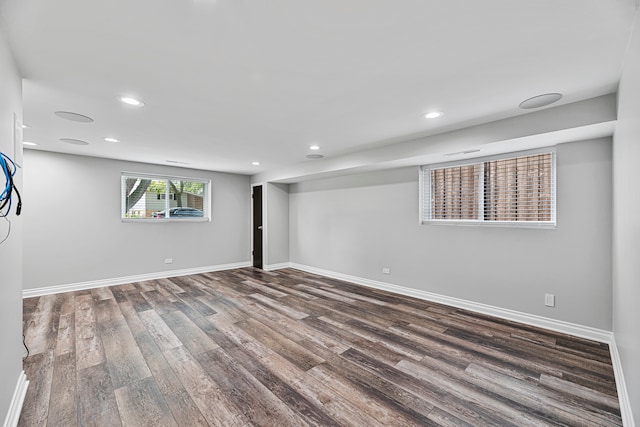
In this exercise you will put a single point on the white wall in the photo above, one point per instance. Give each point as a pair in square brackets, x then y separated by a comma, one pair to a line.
[358, 224]
[11, 250]
[277, 221]
[626, 231]
[73, 232]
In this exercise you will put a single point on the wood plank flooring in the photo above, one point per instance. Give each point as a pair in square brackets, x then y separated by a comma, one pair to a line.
[252, 348]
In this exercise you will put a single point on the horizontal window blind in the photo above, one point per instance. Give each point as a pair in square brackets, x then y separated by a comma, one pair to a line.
[454, 192]
[518, 189]
[514, 189]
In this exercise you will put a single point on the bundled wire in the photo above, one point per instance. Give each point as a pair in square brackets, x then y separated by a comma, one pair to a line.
[8, 168]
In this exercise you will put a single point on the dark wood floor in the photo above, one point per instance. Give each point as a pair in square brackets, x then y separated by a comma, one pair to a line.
[287, 348]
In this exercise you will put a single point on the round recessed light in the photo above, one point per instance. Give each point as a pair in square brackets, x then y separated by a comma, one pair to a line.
[540, 101]
[30, 144]
[177, 162]
[132, 101]
[24, 126]
[315, 156]
[314, 147]
[74, 141]
[109, 139]
[255, 163]
[74, 117]
[433, 114]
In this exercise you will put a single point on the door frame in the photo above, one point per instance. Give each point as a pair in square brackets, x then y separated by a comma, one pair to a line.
[264, 224]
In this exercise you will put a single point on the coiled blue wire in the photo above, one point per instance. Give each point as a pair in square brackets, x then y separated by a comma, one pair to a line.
[8, 172]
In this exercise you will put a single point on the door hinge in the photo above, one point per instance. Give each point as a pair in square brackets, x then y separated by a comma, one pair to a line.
[253, 253]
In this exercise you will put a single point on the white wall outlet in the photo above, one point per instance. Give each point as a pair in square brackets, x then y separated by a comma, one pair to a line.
[386, 270]
[168, 260]
[549, 300]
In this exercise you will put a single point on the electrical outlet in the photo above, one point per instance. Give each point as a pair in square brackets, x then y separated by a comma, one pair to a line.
[549, 300]
[168, 261]
[386, 270]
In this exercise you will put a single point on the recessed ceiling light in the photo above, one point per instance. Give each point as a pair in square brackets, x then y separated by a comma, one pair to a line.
[74, 117]
[74, 141]
[314, 147]
[433, 114]
[255, 163]
[540, 101]
[315, 156]
[24, 126]
[132, 101]
[29, 143]
[109, 139]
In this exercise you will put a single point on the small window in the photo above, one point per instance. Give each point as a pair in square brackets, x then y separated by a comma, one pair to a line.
[164, 196]
[158, 198]
[499, 190]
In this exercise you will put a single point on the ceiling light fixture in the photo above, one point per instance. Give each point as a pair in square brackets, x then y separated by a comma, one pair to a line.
[24, 126]
[132, 101]
[74, 117]
[30, 144]
[314, 147]
[255, 163]
[315, 156]
[433, 114]
[540, 101]
[74, 141]
[109, 139]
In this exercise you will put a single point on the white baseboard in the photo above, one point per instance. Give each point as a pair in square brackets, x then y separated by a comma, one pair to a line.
[503, 313]
[56, 289]
[621, 385]
[279, 266]
[13, 415]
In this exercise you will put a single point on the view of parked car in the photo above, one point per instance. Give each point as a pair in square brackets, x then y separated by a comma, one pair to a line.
[179, 213]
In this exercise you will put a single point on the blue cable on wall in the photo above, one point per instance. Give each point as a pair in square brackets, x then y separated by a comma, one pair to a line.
[8, 168]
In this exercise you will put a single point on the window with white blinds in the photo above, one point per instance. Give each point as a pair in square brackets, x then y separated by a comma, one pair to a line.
[512, 190]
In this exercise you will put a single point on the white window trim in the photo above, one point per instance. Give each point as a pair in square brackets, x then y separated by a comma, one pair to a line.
[206, 205]
[425, 202]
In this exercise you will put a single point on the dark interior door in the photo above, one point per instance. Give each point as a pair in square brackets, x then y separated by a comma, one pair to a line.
[257, 226]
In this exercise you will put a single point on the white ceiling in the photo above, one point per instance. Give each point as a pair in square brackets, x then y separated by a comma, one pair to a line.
[229, 82]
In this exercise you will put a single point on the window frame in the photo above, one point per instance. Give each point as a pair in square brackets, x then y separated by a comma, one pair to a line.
[206, 203]
[425, 210]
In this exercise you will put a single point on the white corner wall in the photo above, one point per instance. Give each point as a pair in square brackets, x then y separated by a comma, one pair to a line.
[11, 249]
[277, 221]
[73, 232]
[356, 225]
[626, 230]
